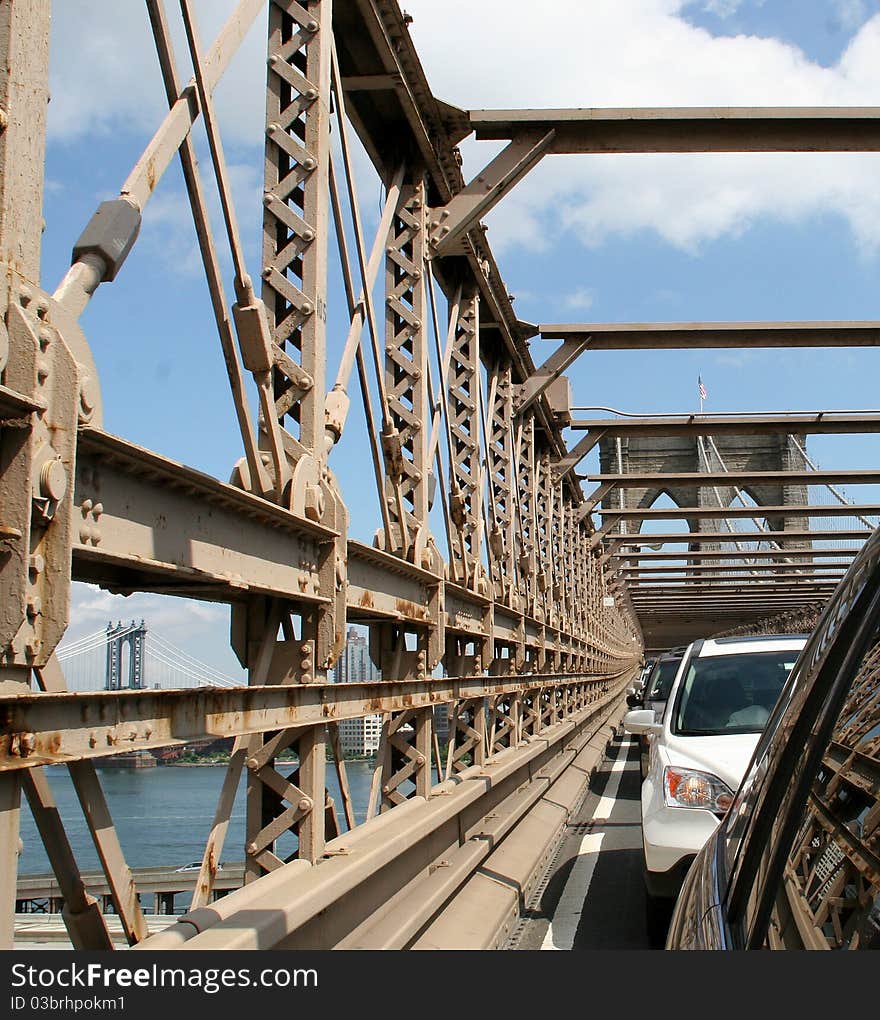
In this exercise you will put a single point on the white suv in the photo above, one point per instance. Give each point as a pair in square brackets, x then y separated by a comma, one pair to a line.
[723, 694]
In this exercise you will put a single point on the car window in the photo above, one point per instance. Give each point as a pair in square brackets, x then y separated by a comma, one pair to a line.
[801, 837]
[661, 680]
[730, 693]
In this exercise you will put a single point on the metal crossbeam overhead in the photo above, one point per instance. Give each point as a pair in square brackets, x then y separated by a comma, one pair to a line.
[800, 423]
[704, 479]
[720, 569]
[809, 423]
[712, 537]
[690, 129]
[657, 336]
[736, 585]
[692, 555]
[758, 510]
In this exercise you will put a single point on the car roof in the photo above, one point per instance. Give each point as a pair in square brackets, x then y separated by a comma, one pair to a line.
[750, 644]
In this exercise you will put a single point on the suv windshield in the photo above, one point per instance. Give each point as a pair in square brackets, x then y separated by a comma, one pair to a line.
[731, 693]
[660, 683]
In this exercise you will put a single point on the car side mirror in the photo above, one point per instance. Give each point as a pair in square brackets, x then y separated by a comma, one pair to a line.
[641, 721]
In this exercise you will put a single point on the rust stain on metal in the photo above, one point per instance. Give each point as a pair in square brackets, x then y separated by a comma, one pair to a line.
[411, 609]
[366, 600]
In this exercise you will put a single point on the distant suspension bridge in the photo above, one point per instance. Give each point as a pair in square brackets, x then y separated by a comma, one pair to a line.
[124, 656]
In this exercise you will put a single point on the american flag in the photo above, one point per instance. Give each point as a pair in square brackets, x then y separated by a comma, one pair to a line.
[703, 393]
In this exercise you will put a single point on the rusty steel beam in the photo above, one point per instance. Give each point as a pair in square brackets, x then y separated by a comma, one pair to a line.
[704, 479]
[711, 583]
[225, 543]
[712, 537]
[812, 423]
[657, 336]
[721, 512]
[753, 568]
[691, 129]
[45, 729]
[747, 556]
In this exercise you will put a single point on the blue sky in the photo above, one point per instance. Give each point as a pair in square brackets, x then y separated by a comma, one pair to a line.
[631, 238]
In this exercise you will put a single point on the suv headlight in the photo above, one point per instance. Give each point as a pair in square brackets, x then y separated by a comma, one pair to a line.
[693, 789]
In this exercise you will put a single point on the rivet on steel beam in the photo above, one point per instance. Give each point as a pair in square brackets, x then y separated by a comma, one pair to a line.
[309, 163]
[311, 93]
[307, 308]
[311, 26]
[304, 804]
[251, 848]
[37, 563]
[253, 764]
[308, 235]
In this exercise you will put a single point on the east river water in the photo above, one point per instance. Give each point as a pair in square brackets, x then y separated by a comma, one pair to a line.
[163, 814]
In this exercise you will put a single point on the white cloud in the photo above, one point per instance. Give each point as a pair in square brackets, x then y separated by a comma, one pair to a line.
[644, 53]
[582, 297]
[105, 76]
[723, 8]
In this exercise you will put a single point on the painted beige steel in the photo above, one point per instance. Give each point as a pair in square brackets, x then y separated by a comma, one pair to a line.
[270, 914]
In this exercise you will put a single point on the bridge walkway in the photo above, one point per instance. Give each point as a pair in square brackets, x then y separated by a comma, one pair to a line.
[593, 895]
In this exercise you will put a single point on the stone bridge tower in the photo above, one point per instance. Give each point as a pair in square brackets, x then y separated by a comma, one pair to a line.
[675, 455]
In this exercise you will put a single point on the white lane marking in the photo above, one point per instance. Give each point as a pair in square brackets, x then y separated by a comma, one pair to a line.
[564, 923]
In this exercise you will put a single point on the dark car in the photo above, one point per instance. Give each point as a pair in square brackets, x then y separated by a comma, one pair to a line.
[655, 695]
[795, 862]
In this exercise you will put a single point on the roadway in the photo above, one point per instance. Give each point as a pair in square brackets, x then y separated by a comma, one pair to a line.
[593, 896]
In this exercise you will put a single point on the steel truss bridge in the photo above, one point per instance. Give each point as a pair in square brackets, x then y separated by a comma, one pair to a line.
[520, 615]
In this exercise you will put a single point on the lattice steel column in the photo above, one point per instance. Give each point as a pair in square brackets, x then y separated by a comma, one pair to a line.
[544, 534]
[501, 482]
[406, 373]
[295, 222]
[464, 418]
[295, 237]
[525, 463]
